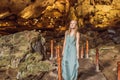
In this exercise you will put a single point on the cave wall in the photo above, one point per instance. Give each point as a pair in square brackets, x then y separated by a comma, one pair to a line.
[23, 54]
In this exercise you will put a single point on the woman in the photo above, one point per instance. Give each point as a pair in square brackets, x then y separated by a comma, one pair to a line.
[71, 52]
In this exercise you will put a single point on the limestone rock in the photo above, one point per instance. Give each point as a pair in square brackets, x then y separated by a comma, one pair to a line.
[23, 53]
[100, 14]
[108, 58]
[54, 13]
[87, 71]
[33, 14]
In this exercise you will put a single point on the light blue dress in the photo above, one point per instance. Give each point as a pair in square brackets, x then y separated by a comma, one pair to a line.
[70, 63]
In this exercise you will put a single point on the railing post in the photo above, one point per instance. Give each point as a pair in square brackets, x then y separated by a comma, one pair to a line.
[82, 52]
[97, 60]
[118, 65]
[59, 63]
[87, 48]
[56, 52]
[51, 46]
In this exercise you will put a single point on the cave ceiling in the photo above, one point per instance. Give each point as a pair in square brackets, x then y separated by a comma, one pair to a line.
[17, 15]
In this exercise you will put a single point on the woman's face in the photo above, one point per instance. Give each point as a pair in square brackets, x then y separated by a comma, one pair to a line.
[73, 24]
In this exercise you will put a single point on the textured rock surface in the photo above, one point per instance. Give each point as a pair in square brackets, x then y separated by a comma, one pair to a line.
[109, 56]
[104, 13]
[57, 13]
[87, 71]
[22, 54]
[35, 13]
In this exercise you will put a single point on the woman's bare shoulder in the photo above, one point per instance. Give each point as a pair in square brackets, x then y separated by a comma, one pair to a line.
[78, 33]
[66, 32]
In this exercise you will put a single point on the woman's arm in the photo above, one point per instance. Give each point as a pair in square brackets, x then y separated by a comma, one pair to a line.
[77, 43]
[64, 43]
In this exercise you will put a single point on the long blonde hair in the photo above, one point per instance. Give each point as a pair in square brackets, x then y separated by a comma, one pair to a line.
[76, 28]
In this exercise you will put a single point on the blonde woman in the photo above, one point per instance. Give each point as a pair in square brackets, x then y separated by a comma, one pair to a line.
[70, 52]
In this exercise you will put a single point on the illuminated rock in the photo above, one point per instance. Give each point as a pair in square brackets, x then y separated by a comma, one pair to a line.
[102, 14]
[93, 13]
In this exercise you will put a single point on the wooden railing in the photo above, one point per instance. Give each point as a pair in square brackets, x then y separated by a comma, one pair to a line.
[118, 63]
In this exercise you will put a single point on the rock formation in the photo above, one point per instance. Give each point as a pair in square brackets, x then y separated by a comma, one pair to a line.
[108, 58]
[23, 54]
[32, 14]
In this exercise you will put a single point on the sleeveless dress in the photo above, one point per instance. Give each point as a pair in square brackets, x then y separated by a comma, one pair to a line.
[70, 63]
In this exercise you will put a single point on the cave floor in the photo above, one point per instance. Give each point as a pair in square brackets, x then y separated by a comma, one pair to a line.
[87, 71]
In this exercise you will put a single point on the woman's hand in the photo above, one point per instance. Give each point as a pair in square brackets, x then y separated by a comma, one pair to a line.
[62, 55]
[77, 57]
[77, 43]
